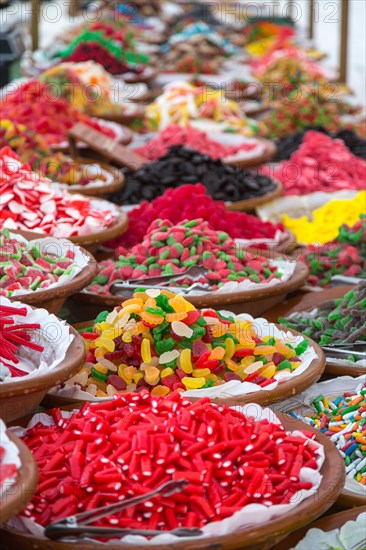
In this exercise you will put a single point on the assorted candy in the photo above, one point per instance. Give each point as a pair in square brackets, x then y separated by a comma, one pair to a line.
[307, 106]
[33, 149]
[169, 249]
[34, 105]
[13, 335]
[346, 255]
[320, 164]
[159, 341]
[9, 461]
[197, 140]
[129, 446]
[185, 165]
[24, 267]
[325, 221]
[340, 321]
[189, 202]
[30, 202]
[343, 418]
[199, 106]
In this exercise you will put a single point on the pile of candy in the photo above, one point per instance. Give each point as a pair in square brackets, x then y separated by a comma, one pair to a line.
[9, 454]
[346, 255]
[86, 86]
[131, 445]
[169, 249]
[197, 140]
[98, 46]
[184, 165]
[339, 321]
[34, 105]
[159, 341]
[30, 202]
[343, 418]
[326, 220]
[184, 104]
[34, 150]
[13, 335]
[287, 145]
[320, 164]
[24, 267]
[304, 107]
[189, 202]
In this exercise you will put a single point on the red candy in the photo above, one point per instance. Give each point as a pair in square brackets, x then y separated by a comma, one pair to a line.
[190, 202]
[33, 105]
[131, 445]
[320, 164]
[195, 139]
[28, 201]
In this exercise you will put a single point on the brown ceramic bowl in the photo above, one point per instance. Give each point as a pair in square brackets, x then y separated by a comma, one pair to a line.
[283, 391]
[21, 396]
[19, 494]
[95, 190]
[258, 537]
[253, 301]
[91, 241]
[267, 155]
[327, 523]
[53, 299]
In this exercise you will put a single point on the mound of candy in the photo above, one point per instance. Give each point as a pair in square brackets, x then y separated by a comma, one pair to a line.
[13, 335]
[135, 443]
[335, 321]
[340, 418]
[289, 144]
[170, 249]
[184, 165]
[33, 149]
[30, 202]
[346, 255]
[160, 341]
[23, 267]
[193, 139]
[34, 105]
[190, 202]
[320, 164]
[323, 225]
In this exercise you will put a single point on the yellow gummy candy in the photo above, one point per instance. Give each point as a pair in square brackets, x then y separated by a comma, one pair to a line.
[193, 383]
[264, 350]
[132, 308]
[186, 361]
[197, 373]
[100, 368]
[166, 372]
[179, 316]
[137, 376]
[105, 343]
[230, 348]
[248, 360]
[269, 371]
[129, 372]
[133, 301]
[231, 365]
[146, 350]
[179, 304]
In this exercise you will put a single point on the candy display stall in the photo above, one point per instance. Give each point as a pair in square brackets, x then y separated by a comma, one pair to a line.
[183, 185]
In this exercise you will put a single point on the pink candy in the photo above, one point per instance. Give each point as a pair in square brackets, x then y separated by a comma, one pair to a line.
[320, 164]
[30, 202]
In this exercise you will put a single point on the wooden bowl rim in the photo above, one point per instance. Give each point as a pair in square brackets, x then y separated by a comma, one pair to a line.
[327, 523]
[251, 204]
[22, 491]
[267, 155]
[219, 300]
[69, 288]
[283, 391]
[93, 189]
[333, 479]
[73, 359]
